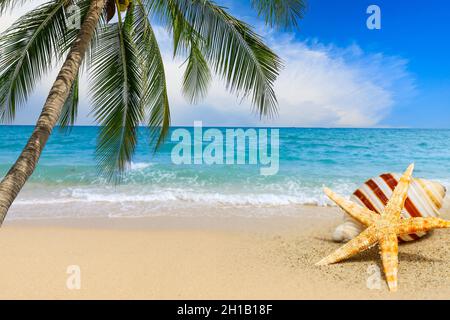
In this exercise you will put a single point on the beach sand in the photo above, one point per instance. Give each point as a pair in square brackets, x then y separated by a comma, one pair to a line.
[207, 258]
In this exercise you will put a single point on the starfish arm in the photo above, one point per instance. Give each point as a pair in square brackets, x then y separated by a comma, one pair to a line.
[415, 225]
[362, 242]
[389, 257]
[397, 201]
[359, 213]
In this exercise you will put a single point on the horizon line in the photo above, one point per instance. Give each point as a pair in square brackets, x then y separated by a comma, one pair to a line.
[259, 127]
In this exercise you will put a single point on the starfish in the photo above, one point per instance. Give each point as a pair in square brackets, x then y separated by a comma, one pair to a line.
[383, 228]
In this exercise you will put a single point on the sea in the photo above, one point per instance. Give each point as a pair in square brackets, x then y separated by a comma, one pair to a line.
[67, 184]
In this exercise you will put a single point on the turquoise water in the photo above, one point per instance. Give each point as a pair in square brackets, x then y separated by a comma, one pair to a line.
[309, 158]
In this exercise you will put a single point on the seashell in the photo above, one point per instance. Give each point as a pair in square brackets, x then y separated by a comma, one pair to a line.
[425, 198]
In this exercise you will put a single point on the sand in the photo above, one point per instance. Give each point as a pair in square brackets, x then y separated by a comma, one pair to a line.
[207, 258]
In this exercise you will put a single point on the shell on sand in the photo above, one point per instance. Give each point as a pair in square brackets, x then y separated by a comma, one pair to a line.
[425, 198]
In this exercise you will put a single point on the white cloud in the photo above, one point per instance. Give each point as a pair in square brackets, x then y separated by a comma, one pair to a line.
[321, 85]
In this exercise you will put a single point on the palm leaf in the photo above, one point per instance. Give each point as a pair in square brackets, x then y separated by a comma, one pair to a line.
[284, 13]
[71, 34]
[116, 90]
[6, 5]
[154, 94]
[29, 48]
[230, 46]
[197, 76]
[70, 108]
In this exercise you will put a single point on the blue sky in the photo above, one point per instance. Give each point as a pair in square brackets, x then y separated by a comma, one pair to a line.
[338, 72]
[415, 30]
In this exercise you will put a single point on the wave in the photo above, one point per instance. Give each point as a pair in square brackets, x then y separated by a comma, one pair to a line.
[274, 195]
[135, 166]
[86, 195]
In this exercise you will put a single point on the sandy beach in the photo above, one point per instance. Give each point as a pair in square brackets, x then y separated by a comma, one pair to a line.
[206, 258]
[202, 150]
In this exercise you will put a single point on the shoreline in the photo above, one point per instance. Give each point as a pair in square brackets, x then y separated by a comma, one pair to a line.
[206, 258]
[244, 218]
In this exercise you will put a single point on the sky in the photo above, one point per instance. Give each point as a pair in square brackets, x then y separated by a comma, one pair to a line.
[338, 72]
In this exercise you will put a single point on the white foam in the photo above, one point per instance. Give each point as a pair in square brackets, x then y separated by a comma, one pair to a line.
[140, 165]
[88, 195]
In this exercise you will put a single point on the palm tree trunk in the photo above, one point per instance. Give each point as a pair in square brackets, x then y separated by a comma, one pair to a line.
[19, 173]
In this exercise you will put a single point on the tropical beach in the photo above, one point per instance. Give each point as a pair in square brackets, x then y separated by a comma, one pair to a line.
[207, 149]
[187, 232]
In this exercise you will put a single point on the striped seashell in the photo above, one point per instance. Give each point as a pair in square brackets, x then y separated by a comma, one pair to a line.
[425, 198]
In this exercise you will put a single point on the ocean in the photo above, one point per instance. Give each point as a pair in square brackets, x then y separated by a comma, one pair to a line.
[66, 182]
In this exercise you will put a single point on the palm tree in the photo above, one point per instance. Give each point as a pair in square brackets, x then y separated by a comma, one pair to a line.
[127, 80]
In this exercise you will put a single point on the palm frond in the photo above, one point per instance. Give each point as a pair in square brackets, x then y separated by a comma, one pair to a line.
[6, 5]
[197, 76]
[182, 32]
[69, 112]
[71, 34]
[70, 108]
[154, 95]
[116, 90]
[283, 13]
[231, 47]
[28, 49]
